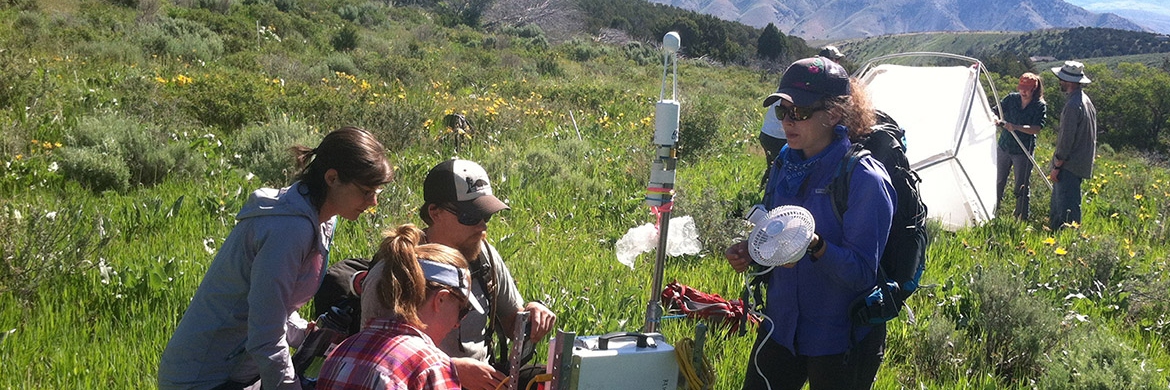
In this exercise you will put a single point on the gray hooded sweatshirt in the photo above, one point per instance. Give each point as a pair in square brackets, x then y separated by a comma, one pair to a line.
[243, 318]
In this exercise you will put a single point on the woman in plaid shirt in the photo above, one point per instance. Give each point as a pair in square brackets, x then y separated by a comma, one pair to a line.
[429, 288]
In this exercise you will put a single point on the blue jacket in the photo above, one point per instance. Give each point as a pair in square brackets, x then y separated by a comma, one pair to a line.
[243, 318]
[808, 304]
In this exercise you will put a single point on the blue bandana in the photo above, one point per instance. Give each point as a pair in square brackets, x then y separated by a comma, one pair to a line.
[796, 166]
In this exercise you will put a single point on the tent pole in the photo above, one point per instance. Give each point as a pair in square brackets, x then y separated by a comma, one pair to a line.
[1035, 166]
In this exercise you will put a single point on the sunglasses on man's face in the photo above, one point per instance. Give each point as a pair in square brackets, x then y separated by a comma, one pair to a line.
[796, 113]
[467, 219]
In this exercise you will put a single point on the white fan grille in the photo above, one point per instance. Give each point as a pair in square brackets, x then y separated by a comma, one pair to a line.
[782, 236]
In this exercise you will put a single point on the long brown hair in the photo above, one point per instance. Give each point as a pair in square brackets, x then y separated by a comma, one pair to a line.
[402, 284]
[352, 151]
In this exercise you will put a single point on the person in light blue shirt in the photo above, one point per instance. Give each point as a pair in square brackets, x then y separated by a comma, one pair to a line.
[243, 319]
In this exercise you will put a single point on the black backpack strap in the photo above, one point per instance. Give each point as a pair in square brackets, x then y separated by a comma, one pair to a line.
[483, 273]
[839, 187]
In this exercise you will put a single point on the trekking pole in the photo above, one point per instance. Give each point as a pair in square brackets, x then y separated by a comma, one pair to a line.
[660, 191]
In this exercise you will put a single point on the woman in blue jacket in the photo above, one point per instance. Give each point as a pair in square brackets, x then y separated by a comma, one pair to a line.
[240, 324]
[808, 336]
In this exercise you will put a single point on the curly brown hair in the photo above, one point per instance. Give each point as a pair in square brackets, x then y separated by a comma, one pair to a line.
[856, 110]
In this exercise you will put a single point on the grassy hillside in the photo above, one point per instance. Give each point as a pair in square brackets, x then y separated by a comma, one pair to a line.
[1094, 45]
[132, 132]
[1154, 60]
[859, 50]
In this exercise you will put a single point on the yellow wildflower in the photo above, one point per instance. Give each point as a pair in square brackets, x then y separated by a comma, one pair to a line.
[1050, 241]
[1060, 251]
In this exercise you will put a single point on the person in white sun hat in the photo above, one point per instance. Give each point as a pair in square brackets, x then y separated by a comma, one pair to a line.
[1076, 146]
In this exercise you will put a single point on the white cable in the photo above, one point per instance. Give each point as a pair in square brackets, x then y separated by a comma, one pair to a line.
[756, 360]
[751, 310]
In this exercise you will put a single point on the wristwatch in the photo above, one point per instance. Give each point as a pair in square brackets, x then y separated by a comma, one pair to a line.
[816, 246]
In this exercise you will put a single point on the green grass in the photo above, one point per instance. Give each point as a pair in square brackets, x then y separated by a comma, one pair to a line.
[566, 138]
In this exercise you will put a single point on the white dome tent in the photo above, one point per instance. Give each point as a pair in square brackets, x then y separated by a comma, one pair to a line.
[950, 129]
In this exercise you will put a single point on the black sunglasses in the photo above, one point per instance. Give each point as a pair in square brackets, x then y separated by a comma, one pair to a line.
[465, 308]
[797, 113]
[467, 219]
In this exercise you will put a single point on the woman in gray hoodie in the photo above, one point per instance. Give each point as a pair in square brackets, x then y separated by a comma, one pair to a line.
[240, 324]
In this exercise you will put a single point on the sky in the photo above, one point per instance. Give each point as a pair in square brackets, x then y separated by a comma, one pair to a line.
[1154, 14]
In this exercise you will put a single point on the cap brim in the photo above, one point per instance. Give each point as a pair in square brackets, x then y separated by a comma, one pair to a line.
[798, 97]
[482, 206]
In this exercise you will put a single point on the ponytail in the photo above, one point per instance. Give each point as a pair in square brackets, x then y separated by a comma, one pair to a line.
[402, 285]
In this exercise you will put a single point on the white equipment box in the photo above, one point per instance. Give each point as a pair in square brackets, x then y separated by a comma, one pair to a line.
[634, 361]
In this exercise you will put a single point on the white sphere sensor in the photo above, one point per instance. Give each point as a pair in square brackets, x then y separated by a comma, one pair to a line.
[671, 42]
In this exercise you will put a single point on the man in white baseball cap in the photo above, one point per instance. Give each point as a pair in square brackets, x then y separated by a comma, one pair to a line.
[1076, 146]
[458, 203]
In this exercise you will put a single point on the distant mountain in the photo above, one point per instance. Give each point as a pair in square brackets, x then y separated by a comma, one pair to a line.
[843, 19]
[1154, 14]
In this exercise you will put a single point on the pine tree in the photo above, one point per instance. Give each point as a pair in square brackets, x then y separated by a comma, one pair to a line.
[771, 43]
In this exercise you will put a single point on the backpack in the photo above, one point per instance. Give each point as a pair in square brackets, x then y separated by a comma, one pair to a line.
[337, 310]
[341, 290]
[904, 258]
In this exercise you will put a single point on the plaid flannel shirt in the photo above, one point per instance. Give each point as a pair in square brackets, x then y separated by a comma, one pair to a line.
[388, 354]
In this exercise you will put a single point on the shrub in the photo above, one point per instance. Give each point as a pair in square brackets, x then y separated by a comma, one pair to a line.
[469, 13]
[699, 128]
[285, 5]
[291, 69]
[181, 37]
[110, 153]
[1017, 329]
[1149, 302]
[30, 25]
[530, 30]
[264, 149]
[718, 220]
[120, 52]
[340, 62]
[936, 351]
[547, 65]
[1095, 359]
[227, 100]
[544, 169]
[1102, 269]
[40, 246]
[398, 126]
[16, 79]
[346, 40]
[581, 51]
[94, 170]
[368, 14]
[641, 53]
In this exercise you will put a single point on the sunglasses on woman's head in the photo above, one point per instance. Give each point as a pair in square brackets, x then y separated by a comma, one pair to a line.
[467, 219]
[797, 113]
